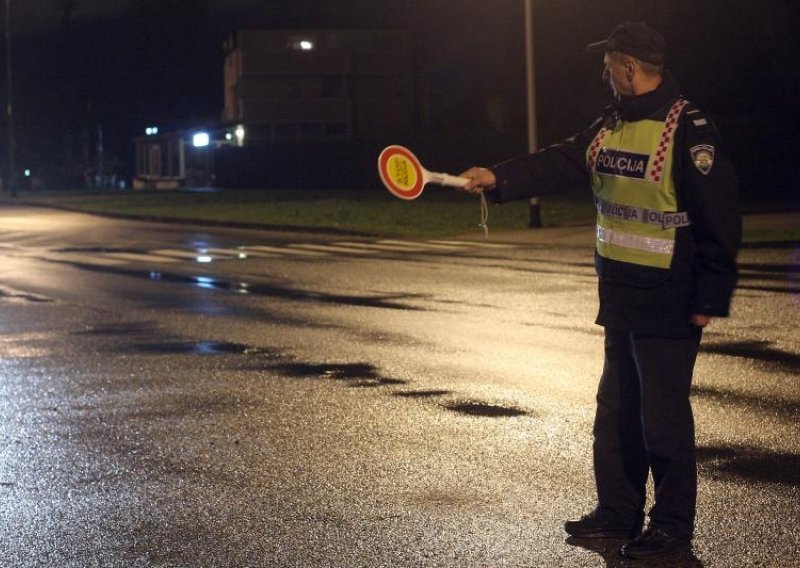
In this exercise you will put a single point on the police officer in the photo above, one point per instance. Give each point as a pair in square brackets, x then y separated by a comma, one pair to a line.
[668, 230]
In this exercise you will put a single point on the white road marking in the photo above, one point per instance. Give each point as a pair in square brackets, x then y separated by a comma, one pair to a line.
[281, 250]
[335, 249]
[85, 259]
[112, 258]
[227, 254]
[138, 257]
[380, 247]
[184, 254]
[424, 245]
[474, 244]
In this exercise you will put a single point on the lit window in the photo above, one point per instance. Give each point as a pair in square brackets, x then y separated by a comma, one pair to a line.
[301, 44]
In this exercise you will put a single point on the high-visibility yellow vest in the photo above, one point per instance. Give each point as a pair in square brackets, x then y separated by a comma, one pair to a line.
[637, 205]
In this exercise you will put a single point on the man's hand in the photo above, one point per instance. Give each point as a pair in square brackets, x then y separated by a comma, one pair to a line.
[480, 180]
[700, 320]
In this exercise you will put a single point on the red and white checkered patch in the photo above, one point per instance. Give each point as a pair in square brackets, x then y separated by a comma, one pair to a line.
[656, 171]
[594, 148]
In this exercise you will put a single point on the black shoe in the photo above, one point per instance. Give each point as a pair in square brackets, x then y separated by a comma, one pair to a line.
[604, 524]
[655, 542]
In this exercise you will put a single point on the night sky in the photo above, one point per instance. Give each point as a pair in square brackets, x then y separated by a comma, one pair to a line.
[127, 64]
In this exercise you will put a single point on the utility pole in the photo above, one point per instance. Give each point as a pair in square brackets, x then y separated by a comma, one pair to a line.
[68, 86]
[10, 181]
[530, 83]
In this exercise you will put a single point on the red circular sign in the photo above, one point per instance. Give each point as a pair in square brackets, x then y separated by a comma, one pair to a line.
[401, 172]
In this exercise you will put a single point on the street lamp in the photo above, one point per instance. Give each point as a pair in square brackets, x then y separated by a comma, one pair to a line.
[201, 139]
[530, 82]
[9, 108]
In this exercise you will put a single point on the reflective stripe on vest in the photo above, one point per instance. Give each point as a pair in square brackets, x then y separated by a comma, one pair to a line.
[646, 244]
[637, 204]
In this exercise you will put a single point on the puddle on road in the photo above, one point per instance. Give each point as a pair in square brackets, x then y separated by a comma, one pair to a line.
[151, 341]
[126, 328]
[394, 301]
[357, 374]
[17, 296]
[342, 372]
[473, 408]
[379, 382]
[422, 393]
[199, 348]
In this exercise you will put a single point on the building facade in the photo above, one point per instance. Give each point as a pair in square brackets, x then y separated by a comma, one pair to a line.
[302, 108]
[310, 86]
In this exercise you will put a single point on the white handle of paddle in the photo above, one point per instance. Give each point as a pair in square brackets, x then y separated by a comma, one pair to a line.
[447, 179]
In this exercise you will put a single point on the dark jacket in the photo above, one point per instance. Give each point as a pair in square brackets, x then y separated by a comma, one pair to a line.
[703, 273]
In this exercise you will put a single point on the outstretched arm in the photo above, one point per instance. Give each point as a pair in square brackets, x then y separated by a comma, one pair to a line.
[553, 170]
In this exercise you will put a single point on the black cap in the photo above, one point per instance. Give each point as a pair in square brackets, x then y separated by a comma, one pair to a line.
[636, 39]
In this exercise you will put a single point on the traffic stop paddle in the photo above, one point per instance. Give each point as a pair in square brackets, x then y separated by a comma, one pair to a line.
[404, 176]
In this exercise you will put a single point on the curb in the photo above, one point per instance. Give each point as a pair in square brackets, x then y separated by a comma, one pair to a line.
[205, 222]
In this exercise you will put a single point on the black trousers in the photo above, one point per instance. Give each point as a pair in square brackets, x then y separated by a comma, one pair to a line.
[644, 424]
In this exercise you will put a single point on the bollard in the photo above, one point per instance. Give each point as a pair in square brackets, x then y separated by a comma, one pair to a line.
[536, 213]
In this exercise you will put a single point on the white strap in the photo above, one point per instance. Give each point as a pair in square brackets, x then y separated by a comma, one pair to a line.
[484, 216]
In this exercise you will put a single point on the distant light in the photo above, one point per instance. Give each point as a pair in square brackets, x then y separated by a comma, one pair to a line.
[27, 173]
[228, 136]
[201, 139]
[204, 259]
[306, 45]
[151, 130]
[239, 132]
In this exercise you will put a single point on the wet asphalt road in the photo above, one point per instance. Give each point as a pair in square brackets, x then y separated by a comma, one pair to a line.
[333, 401]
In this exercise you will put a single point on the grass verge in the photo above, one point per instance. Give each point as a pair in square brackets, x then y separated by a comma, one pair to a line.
[436, 213]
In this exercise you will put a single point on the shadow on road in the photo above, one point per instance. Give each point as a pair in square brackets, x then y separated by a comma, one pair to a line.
[773, 404]
[751, 464]
[608, 549]
[758, 350]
